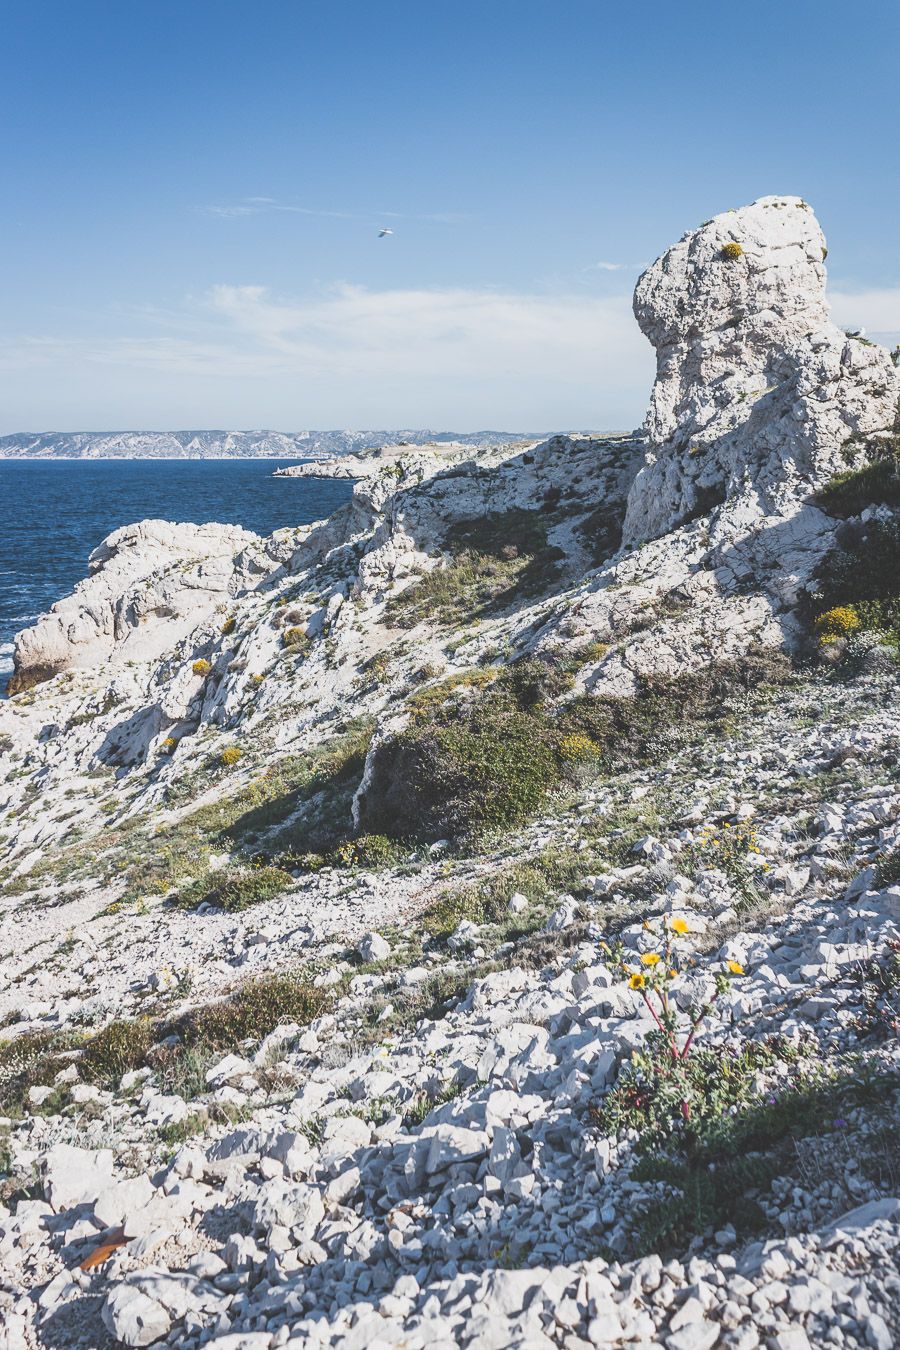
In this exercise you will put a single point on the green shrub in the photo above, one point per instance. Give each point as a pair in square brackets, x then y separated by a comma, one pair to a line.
[296, 640]
[489, 771]
[462, 772]
[368, 850]
[236, 890]
[862, 574]
[444, 916]
[256, 1009]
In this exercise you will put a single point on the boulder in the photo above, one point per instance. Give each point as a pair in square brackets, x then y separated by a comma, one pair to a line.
[77, 1176]
[133, 1318]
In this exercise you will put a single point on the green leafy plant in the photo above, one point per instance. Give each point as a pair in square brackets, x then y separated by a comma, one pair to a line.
[666, 1090]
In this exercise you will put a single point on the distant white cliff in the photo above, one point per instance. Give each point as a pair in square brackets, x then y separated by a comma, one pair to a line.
[225, 444]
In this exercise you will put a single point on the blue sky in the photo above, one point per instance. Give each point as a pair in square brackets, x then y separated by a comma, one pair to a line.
[194, 190]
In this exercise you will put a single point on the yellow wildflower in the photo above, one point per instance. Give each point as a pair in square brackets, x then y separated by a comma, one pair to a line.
[651, 958]
[735, 967]
[679, 926]
[637, 981]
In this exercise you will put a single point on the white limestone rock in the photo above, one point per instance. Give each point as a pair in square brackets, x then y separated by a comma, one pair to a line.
[756, 389]
[76, 1176]
[149, 585]
[133, 1318]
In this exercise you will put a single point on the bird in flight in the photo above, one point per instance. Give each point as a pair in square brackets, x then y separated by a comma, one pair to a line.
[382, 233]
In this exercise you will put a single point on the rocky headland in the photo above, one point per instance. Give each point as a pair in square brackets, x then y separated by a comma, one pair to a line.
[474, 919]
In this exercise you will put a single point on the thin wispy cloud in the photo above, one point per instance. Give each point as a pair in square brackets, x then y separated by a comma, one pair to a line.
[256, 206]
[614, 267]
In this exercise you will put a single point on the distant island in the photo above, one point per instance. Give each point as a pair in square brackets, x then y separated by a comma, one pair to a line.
[230, 444]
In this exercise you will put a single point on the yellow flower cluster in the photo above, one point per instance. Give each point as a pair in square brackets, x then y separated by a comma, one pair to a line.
[230, 755]
[728, 847]
[655, 975]
[837, 623]
[731, 252]
[201, 667]
[577, 746]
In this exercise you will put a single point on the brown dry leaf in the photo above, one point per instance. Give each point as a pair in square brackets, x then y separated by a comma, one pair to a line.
[111, 1243]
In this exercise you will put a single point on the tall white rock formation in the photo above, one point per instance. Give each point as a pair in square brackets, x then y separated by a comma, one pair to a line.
[756, 389]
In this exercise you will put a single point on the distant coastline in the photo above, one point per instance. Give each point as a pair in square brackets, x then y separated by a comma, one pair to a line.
[220, 444]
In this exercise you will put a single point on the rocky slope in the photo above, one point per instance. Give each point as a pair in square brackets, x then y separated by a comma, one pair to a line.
[346, 870]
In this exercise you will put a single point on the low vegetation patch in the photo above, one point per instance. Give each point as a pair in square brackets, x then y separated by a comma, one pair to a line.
[493, 561]
[857, 586]
[879, 977]
[368, 850]
[237, 889]
[717, 1168]
[874, 483]
[714, 1125]
[461, 770]
[178, 1049]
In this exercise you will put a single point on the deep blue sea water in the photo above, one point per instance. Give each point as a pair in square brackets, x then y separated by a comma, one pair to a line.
[54, 512]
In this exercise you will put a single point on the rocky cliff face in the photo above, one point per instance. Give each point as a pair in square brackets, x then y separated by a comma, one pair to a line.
[321, 849]
[756, 390]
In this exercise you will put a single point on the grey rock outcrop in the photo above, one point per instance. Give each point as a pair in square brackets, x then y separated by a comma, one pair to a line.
[756, 389]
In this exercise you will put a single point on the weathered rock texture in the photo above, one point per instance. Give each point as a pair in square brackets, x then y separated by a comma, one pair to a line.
[149, 585]
[756, 389]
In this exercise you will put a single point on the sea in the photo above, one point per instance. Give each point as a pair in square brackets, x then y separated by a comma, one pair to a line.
[54, 512]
